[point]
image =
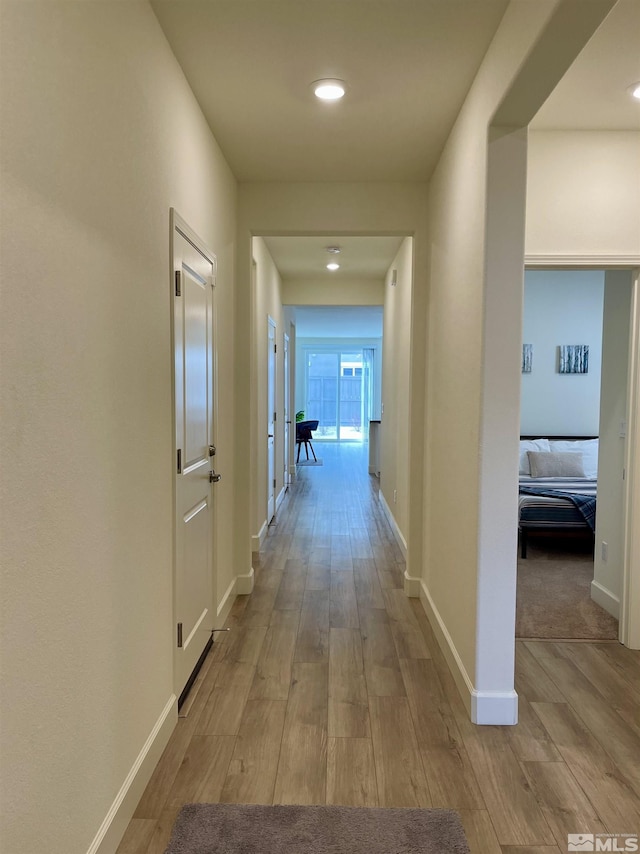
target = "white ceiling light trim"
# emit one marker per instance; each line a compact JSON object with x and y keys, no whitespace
{"x":333,"y":266}
{"x":329,"y":89}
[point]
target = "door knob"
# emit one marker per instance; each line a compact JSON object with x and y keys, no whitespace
{"x":213,"y":477}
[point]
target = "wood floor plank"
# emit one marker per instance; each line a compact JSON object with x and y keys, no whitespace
{"x":529,"y":740}
{"x":292,"y":586}
{"x":367,"y":584}
{"x":225,"y":705}
{"x":203,"y":770}
{"x":252,"y":771}
{"x":302,"y":770}
{"x":479,"y":831}
{"x":626,"y":662}
{"x":619,"y":694}
{"x":451,"y":779}
{"x":563,"y":803}
{"x":434,"y":723}
{"x":343,"y":608}
{"x":531,"y":680}
{"x":619,"y":740}
{"x":608,"y":790}
{"x":351,"y":773}
{"x":399,"y":771}
{"x":137,"y":837}
{"x":514,"y":812}
{"x":348,"y":699}
{"x":273,"y":670}
{"x":381,"y":664}
{"x":244,"y":644}
{"x":408,"y":638}
{"x":162,"y":831}
{"x":312,"y":642}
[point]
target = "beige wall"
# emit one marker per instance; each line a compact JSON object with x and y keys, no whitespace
{"x":268,"y":304}
{"x":336,"y":292}
{"x":100,"y":137}
{"x":583,"y":197}
{"x":476,"y":231}
{"x":396,"y":379}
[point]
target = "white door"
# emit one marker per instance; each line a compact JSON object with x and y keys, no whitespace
{"x":271,"y":420}
{"x":194,"y":381}
{"x":287,"y":408}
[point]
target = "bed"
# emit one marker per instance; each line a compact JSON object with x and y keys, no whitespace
{"x":558,"y":487}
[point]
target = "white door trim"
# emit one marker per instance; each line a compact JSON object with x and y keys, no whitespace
{"x":630,"y":616}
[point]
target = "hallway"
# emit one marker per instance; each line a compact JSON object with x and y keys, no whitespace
{"x":330,"y":688}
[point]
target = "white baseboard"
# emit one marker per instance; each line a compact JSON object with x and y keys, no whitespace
{"x":484,"y":707}
{"x":280,"y":497}
{"x":244,"y":583}
{"x":292,"y":471}
{"x":121,"y":811}
{"x":397,"y":533}
{"x":605,"y":598}
{"x":412,"y":585}
{"x":257,"y":540}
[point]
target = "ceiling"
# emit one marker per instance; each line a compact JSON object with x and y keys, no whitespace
{"x":250,"y":64}
{"x":307,"y":257}
{"x":408,"y":65}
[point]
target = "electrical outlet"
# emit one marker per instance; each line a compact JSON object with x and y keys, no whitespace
{"x":604,"y":551}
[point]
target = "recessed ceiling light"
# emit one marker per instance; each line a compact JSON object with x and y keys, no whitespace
{"x":329,"y":89}
{"x":333,"y":266}
{"x":635,"y":91}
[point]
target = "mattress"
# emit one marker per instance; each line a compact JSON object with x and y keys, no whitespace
{"x":542,"y":511}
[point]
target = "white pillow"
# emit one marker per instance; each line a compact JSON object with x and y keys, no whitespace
{"x":555,"y":464}
{"x":531,"y":445}
{"x":587,"y":447}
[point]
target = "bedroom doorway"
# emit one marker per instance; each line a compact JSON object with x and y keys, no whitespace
{"x":571,"y":583}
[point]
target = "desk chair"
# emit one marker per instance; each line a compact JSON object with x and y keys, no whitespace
{"x":304,"y":429}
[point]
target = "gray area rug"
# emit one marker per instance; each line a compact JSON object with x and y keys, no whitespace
{"x":310,"y":463}
{"x":257,"y":829}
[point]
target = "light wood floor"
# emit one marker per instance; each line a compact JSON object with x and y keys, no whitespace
{"x":330,"y":688}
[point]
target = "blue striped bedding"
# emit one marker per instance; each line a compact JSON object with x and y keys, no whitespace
{"x":557,"y":502}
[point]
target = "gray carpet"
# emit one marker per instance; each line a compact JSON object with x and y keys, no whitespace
{"x":554,"y":595}
{"x":256,"y":829}
{"x":310,"y":463}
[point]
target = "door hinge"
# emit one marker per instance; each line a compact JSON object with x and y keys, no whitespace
{"x":178,"y":284}
{"x":275,"y":348}
{"x":274,"y":483}
{"x":180,"y":635}
{"x":212,"y":281}
{"x":179,"y":460}
{"x":275,"y":416}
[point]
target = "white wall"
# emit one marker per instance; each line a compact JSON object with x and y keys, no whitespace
{"x":583,"y":197}
{"x":607,"y":584}
{"x":100,"y":137}
{"x":561,"y":307}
